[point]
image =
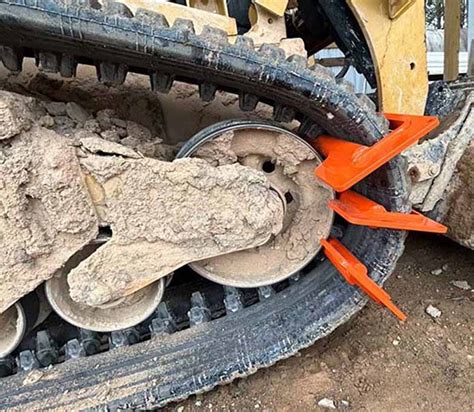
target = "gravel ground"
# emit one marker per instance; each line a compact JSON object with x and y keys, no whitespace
{"x":375,"y":363}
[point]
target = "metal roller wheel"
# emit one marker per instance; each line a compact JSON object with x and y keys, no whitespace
{"x":288,"y":163}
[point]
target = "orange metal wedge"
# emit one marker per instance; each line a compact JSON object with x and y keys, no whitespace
{"x":359,"y":210}
{"x":355,"y":272}
{"x":348,"y":163}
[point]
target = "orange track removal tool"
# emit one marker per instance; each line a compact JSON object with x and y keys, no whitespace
{"x":355,"y":273}
{"x":348,"y":163}
{"x":359,"y":210}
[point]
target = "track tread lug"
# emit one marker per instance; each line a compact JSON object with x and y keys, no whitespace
{"x":7,"y":366}
{"x":163,"y":322}
{"x":309,"y":129}
{"x":298,"y":60}
{"x":214,"y":34}
{"x":273,"y":52}
{"x":92,"y":4}
{"x":370,"y":105}
{"x":118,"y":339}
{"x":283,"y":114}
{"x":161,"y":82}
{"x":113,"y":74}
{"x":151,"y":18}
{"x":90,"y":341}
{"x":248,"y":102}
{"x":207,"y":91}
{"x":12,"y":58}
{"x":323,"y":73}
{"x":133,"y":336}
{"x":367,"y":102}
{"x":346,"y":85}
{"x":184,"y":25}
{"x":115,"y":8}
{"x":68,"y":66}
{"x":245,"y":42}
{"x":49,"y":62}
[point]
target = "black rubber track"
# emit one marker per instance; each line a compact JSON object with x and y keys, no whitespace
{"x":153,"y":373}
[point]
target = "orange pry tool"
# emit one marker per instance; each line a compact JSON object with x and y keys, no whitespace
{"x":355,"y":273}
{"x":359,"y":210}
{"x":348,"y":163}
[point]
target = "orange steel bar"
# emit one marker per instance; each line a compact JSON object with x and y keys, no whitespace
{"x":355,"y":272}
{"x":348,"y":163}
{"x":359,"y":210}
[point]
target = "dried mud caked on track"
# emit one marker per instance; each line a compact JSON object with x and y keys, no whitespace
{"x":66,"y":171}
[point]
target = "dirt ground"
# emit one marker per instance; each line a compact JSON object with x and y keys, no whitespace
{"x":374,"y":363}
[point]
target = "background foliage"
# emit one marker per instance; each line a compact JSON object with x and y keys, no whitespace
{"x":435,"y":13}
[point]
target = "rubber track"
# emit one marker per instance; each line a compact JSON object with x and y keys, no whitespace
{"x":156,"y":372}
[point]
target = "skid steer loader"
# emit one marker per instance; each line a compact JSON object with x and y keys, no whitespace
{"x":144,"y":260}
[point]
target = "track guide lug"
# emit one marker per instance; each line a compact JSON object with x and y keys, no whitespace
{"x":355,"y":273}
{"x":74,"y":350}
{"x":233,"y":299}
{"x":200,"y":311}
{"x":27,"y":361}
{"x":348,"y":163}
{"x":359,"y":210}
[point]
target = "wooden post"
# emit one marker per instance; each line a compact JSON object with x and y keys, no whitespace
{"x":452,"y":35}
{"x":470,"y":22}
{"x":470,"y":37}
{"x":470,"y":63}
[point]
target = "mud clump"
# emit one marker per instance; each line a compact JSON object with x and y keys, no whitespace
{"x":218,"y":151}
{"x":69,"y":171}
{"x":104,"y":130}
{"x":15,"y":114}
{"x":46,"y":214}
{"x":459,"y":201}
{"x":165,"y":215}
